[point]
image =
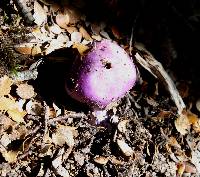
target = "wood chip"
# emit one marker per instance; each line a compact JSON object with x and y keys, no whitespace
{"x":101,"y":160}
{"x":125,"y":148}
{"x":39,"y":15}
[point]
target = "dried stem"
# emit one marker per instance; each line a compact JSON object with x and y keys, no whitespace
{"x":147,"y":61}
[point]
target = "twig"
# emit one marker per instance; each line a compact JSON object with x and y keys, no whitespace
{"x":157,"y":70}
{"x":65,"y":117}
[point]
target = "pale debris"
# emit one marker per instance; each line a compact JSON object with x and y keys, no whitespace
{"x":125,"y":148}
{"x":40,"y":14}
{"x":25,"y":91}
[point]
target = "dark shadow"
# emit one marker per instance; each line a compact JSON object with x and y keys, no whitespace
{"x":52,"y":74}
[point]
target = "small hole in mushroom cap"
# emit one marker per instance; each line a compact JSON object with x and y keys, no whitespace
{"x":108,"y":65}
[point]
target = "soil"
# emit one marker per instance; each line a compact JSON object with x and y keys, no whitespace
{"x":140,"y":136}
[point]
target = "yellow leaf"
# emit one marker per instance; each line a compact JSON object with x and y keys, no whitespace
{"x":81,"y":48}
{"x":195,"y":121}
{"x":10,"y":156}
{"x":6,"y":104}
{"x":182,"y":124}
{"x":5,"y":85}
{"x":16,"y":115}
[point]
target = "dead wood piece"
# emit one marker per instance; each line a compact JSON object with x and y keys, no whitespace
{"x":147,"y":61}
{"x":65,"y":117}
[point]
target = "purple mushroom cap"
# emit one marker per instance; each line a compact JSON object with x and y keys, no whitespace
{"x":103,"y":75}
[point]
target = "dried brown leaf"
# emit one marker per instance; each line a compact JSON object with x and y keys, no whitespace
{"x":173,"y":142}
{"x":194,"y":121}
{"x":25,"y":91}
{"x":182,"y":124}
{"x":28,"y":49}
{"x":81,"y":48}
{"x":62,"y":20}
{"x":85,"y":34}
{"x":64,"y":134}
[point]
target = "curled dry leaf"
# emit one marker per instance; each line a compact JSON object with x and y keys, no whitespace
{"x":182,"y":124}
{"x":28,"y":48}
{"x":187,"y":120}
{"x":25,"y":91}
{"x":69,"y":16}
{"x":81,"y":48}
{"x":10,"y":106}
{"x":85,"y":34}
{"x":64,"y":134}
{"x":115,"y":161}
{"x":5,"y":85}
{"x":125,"y":148}
{"x":39,"y":15}
{"x":62,"y":20}
{"x":173,"y":142}
{"x":101,"y":160}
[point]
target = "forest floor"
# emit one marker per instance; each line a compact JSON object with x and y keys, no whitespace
{"x":152,"y":132}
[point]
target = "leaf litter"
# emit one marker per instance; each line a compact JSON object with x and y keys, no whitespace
{"x":150,"y":137}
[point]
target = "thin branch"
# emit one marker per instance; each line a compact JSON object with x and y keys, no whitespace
{"x":147,"y":61}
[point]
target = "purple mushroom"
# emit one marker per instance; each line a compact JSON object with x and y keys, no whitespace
{"x":103,"y":75}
